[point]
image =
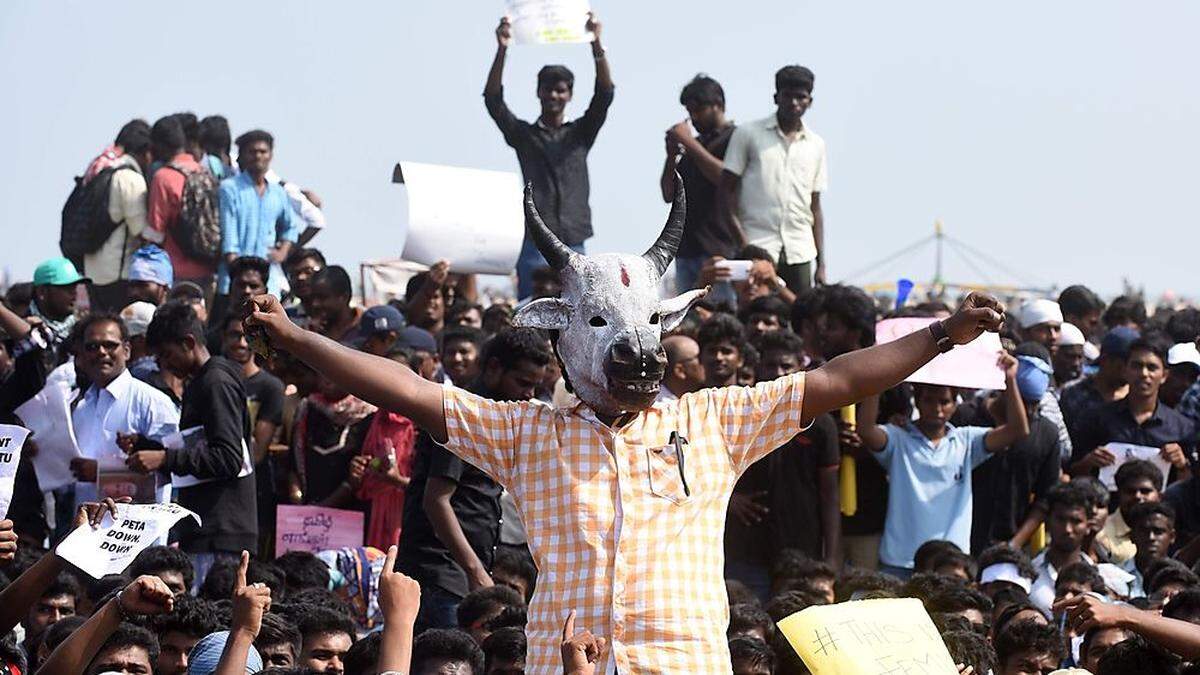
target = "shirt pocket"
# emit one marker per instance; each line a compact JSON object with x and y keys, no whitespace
{"x":664,"y":474}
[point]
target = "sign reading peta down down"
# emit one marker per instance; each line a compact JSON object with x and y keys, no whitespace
{"x":110,"y":548}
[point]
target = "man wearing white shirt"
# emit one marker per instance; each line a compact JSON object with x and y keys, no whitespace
{"x":774,"y":174}
{"x":113,"y":404}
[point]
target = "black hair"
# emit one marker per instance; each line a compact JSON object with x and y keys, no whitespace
{"x":109,"y":583}
{"x":194,"y":617}
{"x":970,"y":649}
{"x":794,"y":570}
{"x":131,"y":635}
{"x":788,"y":603}
{"x":1070,"y":495}
{"x":853,"y":308}
{"x":766,"y":304}
{"x":858,"y":581}
{"x":1184,"y":325}
{"x":447,"y":644}
{"x":511,"y":616}
{"x":64,"y":584}
{"x":314,"y":620}
{"x":414,"y":285}
{"x":1124,"y":310}
{"x":278,"y":629}
{"x":302,"y":570}
{"x":957,"y":558}
{"x":1035,"y":349}
{"x":549,"y":76}
{"x":780,"y":340}
{"x":954,"y":599}
{"x":185,"y":290}
{"x":157,"y":559}
{"x":1081,"y":573}
{"x":739,"y":593}
{"x":787,"y":661}
{"x":102,"y":317}
{"x":745,"y":617}
{"x":1024,"y":636}
{"x":299,"y":255}
{"x":215,"y":135}
{"x":218,"y":583}
{"x":167,"y":133}
{"x":319,"y":597}
{"x":484,"y":601}
{"x":131,"y":131}
{"x":1184,"y":605}
{"x":794,"y":77}
{"x":250,"y":262}
{"x":1139,"y":469}
{"x":458,"y":333}
{"x":504,"y":644}
{"x":508,"y":560}
{"x":1169,"y":571}
{"x":1005,"y":553}
{"x":1140,"y":512}
{"x":1009,"y":613}
{"x":752,"y":252}
{"x":1078,"y":300}
{"x":513,"y":345}
{"x":702,"y":90}
{"x":1090,"y":637}
{"x":923,"y":557}
{"x":262,"y":572}
{"x":255,"y":136}
{"x":172,"y":323}
{"x":1135,"y":656}
{"x":946,"y":623}
{"x":190,"y":125}
{"x":336,"y":278}
{"x":752,"y":651}
{"x":58,"y":632}
{"x":925,"y":585}
{"x":363,"y":656}
{"x":808,"y":306}
{"x":460,"y":307}
{"x":1155,"y":344}
{"x":722,"y":327}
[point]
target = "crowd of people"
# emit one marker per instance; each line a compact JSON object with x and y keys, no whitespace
{"x":1000,"y":510}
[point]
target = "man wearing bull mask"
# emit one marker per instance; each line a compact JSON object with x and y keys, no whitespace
{"x":624,"y":499}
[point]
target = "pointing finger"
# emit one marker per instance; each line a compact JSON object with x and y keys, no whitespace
{"x":240,"y":582}
{"x":569,"y":626}
{"x":389,"y":562}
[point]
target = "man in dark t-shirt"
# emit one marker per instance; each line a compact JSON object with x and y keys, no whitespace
{"x":698,"y":161}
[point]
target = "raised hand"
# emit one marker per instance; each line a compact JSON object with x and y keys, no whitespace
{"x":978,"y":313}
{"x":93,"y":512}
{"x":264,"y":312}
{"x":504,"y":32}
{"x":593,"y":25}
{"x":250,"y":602}
{"x":399,"y":595}
{"x":8,"y":541}
{"x":146,"y":594}
{"x":581,"y":651}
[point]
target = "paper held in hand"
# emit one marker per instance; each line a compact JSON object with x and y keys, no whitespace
{"x":48,"y":416}
{"x":868,"y":637}
{"x":1127,"y":452}
{"x":110,"y":548}
{"x":473,"y":218}
{"x":12,"y":439}
{"x":549,"y":21}
{"x":973,"y":365}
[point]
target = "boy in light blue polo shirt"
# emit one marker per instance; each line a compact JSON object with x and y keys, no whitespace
{"x":929,"y":464}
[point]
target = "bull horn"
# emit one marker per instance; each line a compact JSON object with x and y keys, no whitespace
{"x":663,"y":251}
{"x":556,"y":253}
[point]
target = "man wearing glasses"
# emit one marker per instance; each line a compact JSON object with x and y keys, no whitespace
{"x":114,"y":408}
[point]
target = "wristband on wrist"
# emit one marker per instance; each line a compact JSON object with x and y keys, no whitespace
{"x":125,"y":614}
{"x":941,"y":338}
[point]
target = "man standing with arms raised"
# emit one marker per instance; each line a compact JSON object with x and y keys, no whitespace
{"x":552,"y":151}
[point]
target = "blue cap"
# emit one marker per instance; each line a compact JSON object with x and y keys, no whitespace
{"x":151,"y":263}
{"x":57,"y":272}
{"x":205,"y":656}
{"x":418,"y":339}
{"x":380,"y":319}
{"x":1033,"y":377}
{"x":1118,"y":341}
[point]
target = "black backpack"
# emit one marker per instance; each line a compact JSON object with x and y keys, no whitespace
{"x":85,"y":222}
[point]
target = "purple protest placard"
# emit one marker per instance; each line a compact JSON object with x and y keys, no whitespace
{"x":973,"y":365}
{"x":316,"y":528}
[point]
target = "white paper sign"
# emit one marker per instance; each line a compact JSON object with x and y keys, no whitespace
{"x":471,"y":217}
{"x":973,"y":365}
{"x":12,"y":438}
{"x":1127,"y":452}
{"x":549,"y":21}
{"x":110,"y":548}
{"x":48,"y":416}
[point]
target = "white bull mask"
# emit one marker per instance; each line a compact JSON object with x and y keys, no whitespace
{"x":610,"y":318}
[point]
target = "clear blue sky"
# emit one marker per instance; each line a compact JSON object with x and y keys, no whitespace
{"x":1059,"y":137}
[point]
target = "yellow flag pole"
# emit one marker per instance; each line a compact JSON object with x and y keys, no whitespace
{"x":848,"y":474}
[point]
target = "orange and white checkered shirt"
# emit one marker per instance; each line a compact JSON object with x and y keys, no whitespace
{"x":615,"y":534}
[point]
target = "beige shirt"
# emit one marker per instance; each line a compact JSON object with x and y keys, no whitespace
{"x":778,"y":179}
{"x":126,"y":204}
{"x":1115,"y":536}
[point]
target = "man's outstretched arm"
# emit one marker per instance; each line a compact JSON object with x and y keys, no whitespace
{"x":855,"y":376}
{"x":380,"y":381}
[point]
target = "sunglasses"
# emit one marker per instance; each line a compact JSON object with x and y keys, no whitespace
{"x":95,"y":346}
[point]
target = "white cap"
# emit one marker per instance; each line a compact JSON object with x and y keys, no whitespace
{"x":1004,"y":571}
{"x":1184,"y":352}
{"x":137,"y":317}
{"x":1070,"y":336}
{"x":1039,"y":311}
{"x":1090,"y":351}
